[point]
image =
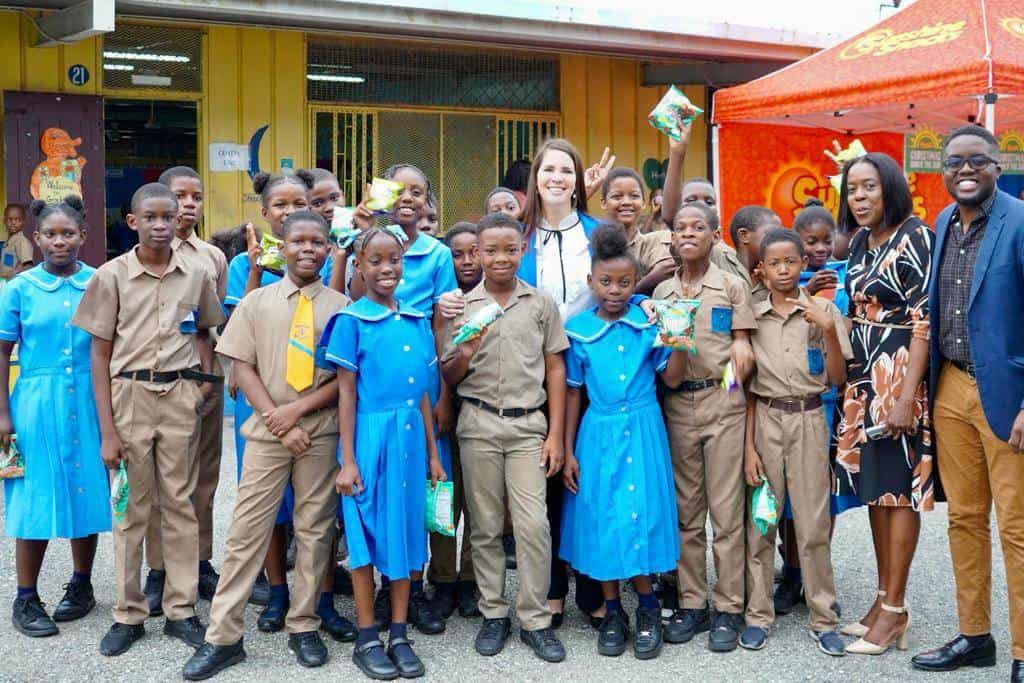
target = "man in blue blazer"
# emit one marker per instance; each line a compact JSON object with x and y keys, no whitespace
{"x":976,"y":308}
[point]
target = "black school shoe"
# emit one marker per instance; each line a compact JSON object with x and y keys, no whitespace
{"x":491,"y":638}
{"x":77,"y":602}
{"x":120,"y":638}
{"x":189,"y":631}
{"x":685,"y":624}
{"x":725,"y":632}
{"x":260,"y":595}
{"x":208,"y":584}
{"x":209,"y":660}
{"x":423,"y":616}
{"x":405,"y":660}
{"x":271,"y":619}
{"x":342,"y":581}
{"x":647,"y":641}
{"x":544,"y":643}
{"x":612,"y":634}
{"x":337,"y":626}
{"x":373,"y":661}
{"x":1017,"y":671}
{"x":444,"y":599}
{"x":308,"y":648}
{"x":382,"y":608}
{"x":30,"y":618}
{"x":788,"y":594}
{"x":154,"y":591}
{"x":467,"y":600}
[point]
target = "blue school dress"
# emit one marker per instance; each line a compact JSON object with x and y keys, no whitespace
{"x":392,"y":354}
{"x":623,"y":522}
{"x":238,"y":275}
{"x":65,"y":492}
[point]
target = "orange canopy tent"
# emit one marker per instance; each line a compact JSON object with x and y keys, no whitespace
{"x":935,"y":64}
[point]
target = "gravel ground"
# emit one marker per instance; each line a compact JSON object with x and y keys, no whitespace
{"x":790,"y":654}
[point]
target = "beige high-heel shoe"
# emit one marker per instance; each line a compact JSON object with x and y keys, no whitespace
{"x":866,"y":647}
{"x":857,"y":629}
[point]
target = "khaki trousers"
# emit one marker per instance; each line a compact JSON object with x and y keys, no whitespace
{"x":444,"y":567}
{"x":501,"y":457}
{"x":158,"y":426}
{"x":267,"y":468}
{"x":705,"y":434}
{"x":211,"y":428}
{"x":977,"y":470}
{"x":793,"y":452}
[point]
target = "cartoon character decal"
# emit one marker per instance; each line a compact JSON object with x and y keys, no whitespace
{"x":60,"y":174}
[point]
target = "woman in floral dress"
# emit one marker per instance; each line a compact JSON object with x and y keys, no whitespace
{"x":887,"y":280}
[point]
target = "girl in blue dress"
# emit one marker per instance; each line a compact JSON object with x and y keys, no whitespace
{"x":384,"y":353}
{"x":64,"y":492}
{"x":619,"y":517}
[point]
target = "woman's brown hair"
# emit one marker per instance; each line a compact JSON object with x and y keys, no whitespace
{"x":532,"y":212}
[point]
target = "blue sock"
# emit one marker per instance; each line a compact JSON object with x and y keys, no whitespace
{"x":399,"y":631}
{"x":366,"y":635}
{"x":79,"y":577}
{"x":415,"y":587}
{"x":792,"y":574}
{"x":326,"y":604}
{"x":279,"y":594}
{"x":205,"y":567}
{"x":975,"y":641}
{"x":27,"y":592}
{"x":613,"y":605}
{"x":648,"y":601}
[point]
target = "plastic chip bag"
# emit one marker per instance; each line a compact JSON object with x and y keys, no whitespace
{"x":729,"y":381}
{"x":119,"y":490}
{"x":764,"y":508}
{"x":343,"y":231}
{"x":271,"y":257}
{"x":676,"y":324}
{"x":12,"y":464}
{"x":478,"y":324}
{"x":440,"y":508}
{"x":383,"y":195}
{"x":673,"y":112}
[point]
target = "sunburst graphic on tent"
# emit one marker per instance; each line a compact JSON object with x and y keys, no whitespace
{"x":1014,"y":26}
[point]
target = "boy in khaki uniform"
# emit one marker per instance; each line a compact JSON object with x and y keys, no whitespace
{"x":292,"y":435}
{"x":187,"y":187}
{"x":149,"y":312}
{"x":18,"y":253}
{"x":801,"y":348}
{"x":507,"y":447}
{"x":705,"y":430}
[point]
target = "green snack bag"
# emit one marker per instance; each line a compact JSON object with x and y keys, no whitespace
{"x":119,"y":492}
{"x":440,"y":508}
{"x":12,"y":465}
{"x":383,"y":195}
{"x":343,"y":231}
{"x":673,"y":113}
{"x":676,"y":324}
{"x":271,"y":257}
{"x":764,"y":508}
{"x":478,"y":324}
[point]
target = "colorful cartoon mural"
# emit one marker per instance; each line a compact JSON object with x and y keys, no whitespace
{"x":60,"y":174}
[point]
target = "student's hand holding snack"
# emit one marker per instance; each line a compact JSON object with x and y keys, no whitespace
{"x":437,"y":472}
{"x":252,"y":247}
{"x":296,"y":440}
{"x":678,"y":147}
{"x":571,"y":473}
{"x":452,"y":304}
{"x":283,"y":418}
{"x":551,"y":456}
{"x":349,"y":482}
{"x":363,"y":217}
{"x":742,"y":359}
{"x":823,"y":279}
{"x":815,"y":315}
{"x":753,"y":468}
{"x":469,"y":348}
{"x":6,"y":429}
{"x":650,"y":310}
{"x":111,"y":451}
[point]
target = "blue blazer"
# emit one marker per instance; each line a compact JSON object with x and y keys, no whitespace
{"x":995,"y":312}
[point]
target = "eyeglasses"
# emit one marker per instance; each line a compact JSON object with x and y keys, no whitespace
{"x":975,"y":161}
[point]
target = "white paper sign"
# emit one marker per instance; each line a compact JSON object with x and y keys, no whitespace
{"x":227,"y":156}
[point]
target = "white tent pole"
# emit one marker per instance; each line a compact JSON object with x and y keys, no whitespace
{"x":990,"y":112}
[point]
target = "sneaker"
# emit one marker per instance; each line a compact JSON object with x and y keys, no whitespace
{"x":120,"y":638}
{"x":491,"y":638}
{"x":648,"y":639}
{"x":444,"y":599}
{"x":423,"y":616}
{"x":788,"y":594}
{"x":612,"y":634}
{"x":342,"y":581}
{"x":154,"y":591}
{"x":189,"y":631}
{"x":467,"y":600}
{"x":260,"y":591}
{"x":829,"y":642}
{"x":725,"y":632}
{"x":208,"y":584}
{"x":685,"y":624}
{"x":753,"y":638}
{"x":78,"y":601}
{"x":30,"y":618}
{"x":509,"y":544}
{"x":382,"y":608}
{"x":544,"y":643}
{"x":209,"y":660}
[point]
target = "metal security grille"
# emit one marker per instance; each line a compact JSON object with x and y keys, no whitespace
{"x":138,"y":56}
{"x":423,"y":76}
{"x":464,"y":155}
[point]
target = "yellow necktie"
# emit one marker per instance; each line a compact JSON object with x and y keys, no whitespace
{"x":300,"y":346}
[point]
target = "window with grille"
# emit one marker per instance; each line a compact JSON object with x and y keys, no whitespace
{"x":138,"y":56}
{"x":424,"y":76}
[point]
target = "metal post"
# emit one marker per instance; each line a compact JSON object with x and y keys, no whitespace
{"x":990,"y":111}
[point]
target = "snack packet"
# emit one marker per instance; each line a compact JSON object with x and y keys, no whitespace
{"x":12,"y":464}
{"x":764,"y":508}
{"x":675,"y":324}
{"x":854,"y":150}
{"x":119,"y":490}
{"x":440,"y":508}
{"x":673,"y":112}
{"x":383,"y":195}
{"x":478,"y":324}
{"x":271,"y":256}
{"x":343,"y":231}
{"x":729,"y":381}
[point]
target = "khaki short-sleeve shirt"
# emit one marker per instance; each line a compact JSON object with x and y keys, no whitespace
{"x":791,"y":353}
{"x":151,"y":320}
{"x":724,"y":307}
{"x":725,"y":257}
{"x":208,"y":256}
{"x":17,"y":251}
{"x":258,"y":334}
{"x":651,"y":250}
{"x":508,"y":370}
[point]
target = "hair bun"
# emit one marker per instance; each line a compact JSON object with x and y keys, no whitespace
{"x":813,"y":201}
{"x":259,"y":182}
{"x":609,"y":242}
{"x":36,"y":207}
{"x":307,"y":177}
{"x":75,"y":202}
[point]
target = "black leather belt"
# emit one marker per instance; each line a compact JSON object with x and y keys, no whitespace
{"x":697,"y":385}
{"x":157,"y":377}
{"x":500,"y":412}
{"x":792,"y":404}
{"x":964,"y":367}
